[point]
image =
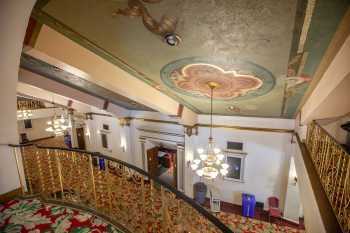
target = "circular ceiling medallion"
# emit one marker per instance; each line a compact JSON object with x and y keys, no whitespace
{"x":236,"y":79}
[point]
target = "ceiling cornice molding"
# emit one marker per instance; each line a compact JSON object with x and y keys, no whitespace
{"x":233,"y":127}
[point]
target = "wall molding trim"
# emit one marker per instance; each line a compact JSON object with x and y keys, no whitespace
{"x":160,"y":132}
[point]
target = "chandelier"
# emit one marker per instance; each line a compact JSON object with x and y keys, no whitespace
{"x":24,"y":114}
{"x":212,"y":161}
{"x":58,"y":125}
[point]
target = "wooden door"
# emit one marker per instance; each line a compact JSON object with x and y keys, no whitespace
{"x":81,"y":138}
{"x":152,"y":161}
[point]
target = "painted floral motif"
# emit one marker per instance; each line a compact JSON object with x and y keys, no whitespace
{"x":194,"y":78}
{"x":33,"y":216}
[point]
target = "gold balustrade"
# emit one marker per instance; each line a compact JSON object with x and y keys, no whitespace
{"x":332,"y":164}
{"x":122,"y":193}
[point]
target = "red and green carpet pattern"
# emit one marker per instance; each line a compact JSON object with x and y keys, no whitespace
{"x":34,"y":216}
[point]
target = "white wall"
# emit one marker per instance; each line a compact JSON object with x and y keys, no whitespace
{"x":14,"y":16}
{"x":115,"y":136}
{"x":266,"y":166}
{"x":292,"y":207}
{"x":38,"y":129}
{"x":312,"y":217}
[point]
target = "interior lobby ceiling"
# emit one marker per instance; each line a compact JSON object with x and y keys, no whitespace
{"x":262,"y":53}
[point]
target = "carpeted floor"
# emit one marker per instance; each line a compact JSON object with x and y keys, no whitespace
{"x":33,"y":216}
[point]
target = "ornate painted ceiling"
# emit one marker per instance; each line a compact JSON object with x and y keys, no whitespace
{"x":262,"y":54}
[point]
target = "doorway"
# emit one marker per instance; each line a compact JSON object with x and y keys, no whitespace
{"x":80,"y":138}
{"x":162,"y":163}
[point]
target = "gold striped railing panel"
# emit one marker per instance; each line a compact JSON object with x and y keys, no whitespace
{"x":125,"y":194}
{"x":332,"y":164}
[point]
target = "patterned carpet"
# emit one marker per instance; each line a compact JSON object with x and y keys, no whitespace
{"x":33,"y":216}
{"x":248,"y":225}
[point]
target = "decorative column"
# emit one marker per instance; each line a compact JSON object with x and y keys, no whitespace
{"x":181,"y":165}
{"x":143,"y":152}
{"x":72,"y":130}
{"x":189,"y":152}
{"x":125,"y":138}
{"x":14,"y":16}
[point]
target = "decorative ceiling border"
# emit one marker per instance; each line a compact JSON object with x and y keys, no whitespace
{"x":271,"y":130}
{"x":44,"y":18}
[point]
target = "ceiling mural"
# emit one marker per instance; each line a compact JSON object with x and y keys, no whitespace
{"x":237,"y":80}
{"x":262,"y":53}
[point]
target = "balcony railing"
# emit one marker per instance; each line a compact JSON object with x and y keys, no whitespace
{"x":122,"y":193}
{"x":332,"y":164}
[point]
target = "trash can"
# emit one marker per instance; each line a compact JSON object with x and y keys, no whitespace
{"x":200,"y":192}
{"x":248,"y":205}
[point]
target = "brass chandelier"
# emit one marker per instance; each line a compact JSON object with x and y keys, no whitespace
{"x":211,"y":161}
{"x":58,"y":125}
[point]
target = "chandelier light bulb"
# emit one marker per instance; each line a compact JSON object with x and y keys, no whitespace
{"x":218,"y":162}
{"x":203,"y":156}
{"x":196,"y":161}
{"x":200,"y":150}
{"x":225,"y":166}
{"x":217,"y":150}
{"x":200,"y":172}
{"x":50,"y":129}
{"x":194,"y":166}
{"x":223,"y":172}
{"x":220,"y":156}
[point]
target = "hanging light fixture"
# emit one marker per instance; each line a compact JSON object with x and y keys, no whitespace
{"x":57,"y":125}
{"x":24,"y":114}
{"x":211,"y":161}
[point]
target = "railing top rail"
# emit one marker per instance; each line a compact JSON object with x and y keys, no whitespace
{"x":214,"y":220}
{"x":20,"y":145}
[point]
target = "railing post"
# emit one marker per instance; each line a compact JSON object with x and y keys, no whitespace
{"x":108,"y":186}
{"x":40,"y":172}
{"x":164,"y":210}
{"x":59,"y":168}
{"x":51,"y":173}
{"x":18,"y":170}
{"x":26,"y":173}
{"x":143,"y":199}
{"x":91,"y":167}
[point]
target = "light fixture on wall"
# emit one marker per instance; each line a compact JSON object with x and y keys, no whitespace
{"x":211,"y":161}
{"x":58,"y":125}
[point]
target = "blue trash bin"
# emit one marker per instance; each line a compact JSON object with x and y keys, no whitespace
{"x":248,"y":205}
{"x":200,"y":192}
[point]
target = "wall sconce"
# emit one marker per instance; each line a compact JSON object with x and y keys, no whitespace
{"x":295,"y":180}
{"x":123,"y":144}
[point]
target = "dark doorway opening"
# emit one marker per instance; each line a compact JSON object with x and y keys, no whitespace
{"x":81,"y":138}
{"x":162,"y":163}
